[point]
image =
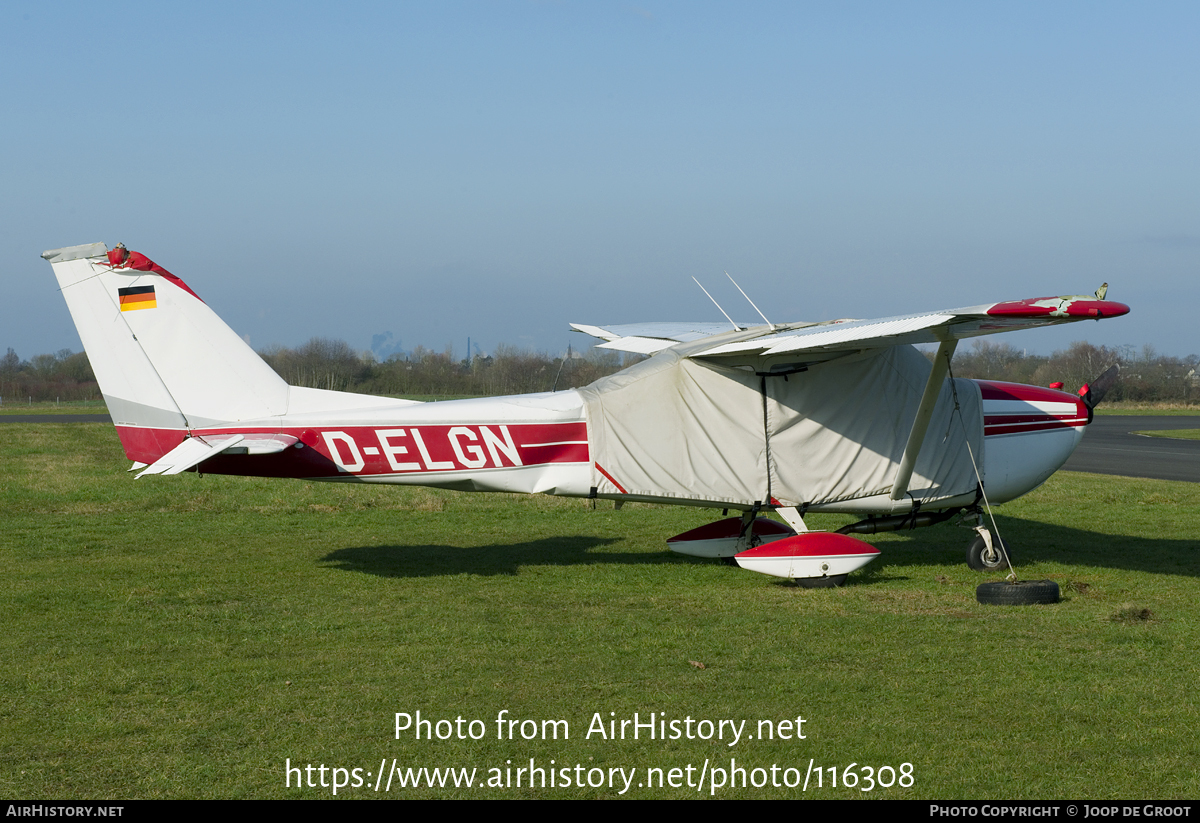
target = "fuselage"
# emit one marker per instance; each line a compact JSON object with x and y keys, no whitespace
{"x":1029,"y":433}
{"x":540,"y":444}
{"x":536,"y":444}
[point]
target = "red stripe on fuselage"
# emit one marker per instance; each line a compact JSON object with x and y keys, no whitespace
{"x":1034,"y":420}
{"x":1023,"y":423}
{"x":147,"y":445}
{"x":380,"y":450}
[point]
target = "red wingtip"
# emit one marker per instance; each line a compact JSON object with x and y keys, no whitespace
{"x":1059,"y":307}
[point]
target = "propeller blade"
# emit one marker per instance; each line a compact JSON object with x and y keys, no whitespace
{"x":1092,"y":393}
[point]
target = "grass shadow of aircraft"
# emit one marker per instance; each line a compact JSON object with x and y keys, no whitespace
{"x":903,"y":555}
{"x":431,"y":560}
{"x":1038,"y":542}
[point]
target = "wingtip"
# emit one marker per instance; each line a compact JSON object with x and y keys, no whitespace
{"x":1075,"y":307}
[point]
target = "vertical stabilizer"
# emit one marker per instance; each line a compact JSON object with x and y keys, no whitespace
{"x":163,"y":358}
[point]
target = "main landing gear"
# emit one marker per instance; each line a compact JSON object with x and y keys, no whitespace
{"x":812,"y":559}
{"x":823,"y":559}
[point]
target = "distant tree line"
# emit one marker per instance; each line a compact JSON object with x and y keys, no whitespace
{"x":332,"y":364}
{"x":59,"y":376}
{"x":1146,"y":376}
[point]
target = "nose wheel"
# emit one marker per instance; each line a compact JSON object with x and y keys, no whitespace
{"x":987,"y":553}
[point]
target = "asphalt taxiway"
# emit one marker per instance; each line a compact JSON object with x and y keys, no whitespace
{"x":1110,"y":447}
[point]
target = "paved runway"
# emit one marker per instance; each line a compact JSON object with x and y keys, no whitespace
{"x":1107,"y":447}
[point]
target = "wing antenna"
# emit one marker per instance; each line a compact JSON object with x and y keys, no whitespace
{"x":736,"y":327}
{"x":751,"y":302}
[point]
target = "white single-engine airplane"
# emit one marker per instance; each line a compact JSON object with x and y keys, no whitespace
{"x":841,"y":416}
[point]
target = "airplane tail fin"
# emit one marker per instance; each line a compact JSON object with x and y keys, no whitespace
{"x":165,"y":362}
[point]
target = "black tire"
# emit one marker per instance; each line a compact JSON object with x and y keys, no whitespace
{"x":1020,"y":593}
{"x":977,"y":561}
{"x":821,"y":582}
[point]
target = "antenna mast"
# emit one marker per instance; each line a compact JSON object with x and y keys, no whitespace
{"x":736,"y":327}
{"x":751,"y":302}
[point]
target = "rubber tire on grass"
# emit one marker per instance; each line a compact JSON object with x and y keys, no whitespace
{"x":821,"y":582}
{"x":975,"y":560}
{"x":1020,"y":593}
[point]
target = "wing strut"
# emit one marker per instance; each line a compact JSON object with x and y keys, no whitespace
{"x":916,"y":437}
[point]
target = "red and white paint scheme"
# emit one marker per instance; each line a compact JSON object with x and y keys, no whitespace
{"x":787,"y":418}
{"x":1028,"y":432}
{"x":812,"y":556}
{"x":724,"y":538}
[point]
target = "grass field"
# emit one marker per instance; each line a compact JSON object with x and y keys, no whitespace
{"x":1174,"y":434}
{"x":94,"y":407}
{"x":189,"y":636}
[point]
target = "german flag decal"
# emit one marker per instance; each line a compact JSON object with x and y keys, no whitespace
{"x":137,"y":297}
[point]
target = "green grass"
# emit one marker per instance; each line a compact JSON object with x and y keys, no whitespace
{"x":72,"y":407}
{"x":1174,"y":434}
{"x":1147,"y":410}
{"x":186,"y":636}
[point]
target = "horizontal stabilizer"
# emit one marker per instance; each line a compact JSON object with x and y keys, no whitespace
{"x":190,"y":452}
{"x":196,"y":450}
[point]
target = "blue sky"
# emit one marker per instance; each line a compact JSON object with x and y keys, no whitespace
{"x":498,"y":169}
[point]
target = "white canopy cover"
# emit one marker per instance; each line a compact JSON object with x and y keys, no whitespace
{"x":682,"y":426}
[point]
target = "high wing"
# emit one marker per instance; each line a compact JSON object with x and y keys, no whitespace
{"x":823,"y":341}
{"x":727,"y":387}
